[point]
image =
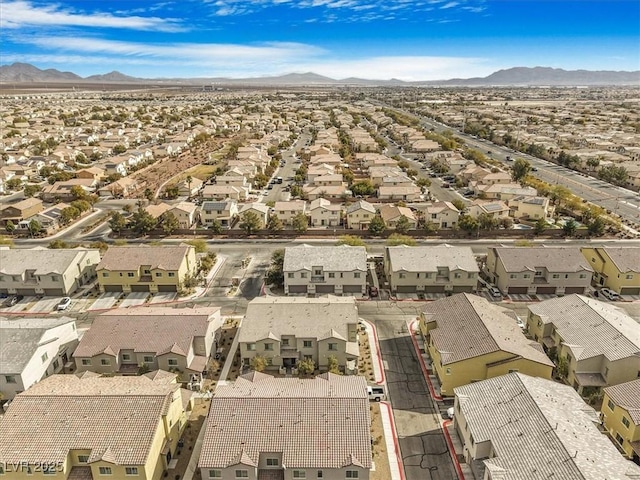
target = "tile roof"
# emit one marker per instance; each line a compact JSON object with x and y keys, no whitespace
{"x":299,"y":316}
{"x":627,"y":396}
{"x":428,"y":259}
{"x":539,"y":429}
{"x":343,"y":258}
{"x":590,"y":327}
{"x":156,"y":330}
{"x":19,"y":340}
{"x":362,"y":204}
{"x":469,"y":326}
{"x":131,"y":258}
{"x":627,"y":259}
{"x":314,"y":423}
{"x":115,"y":418}
{"x":554,"y":259}
{"x":44,"y":261}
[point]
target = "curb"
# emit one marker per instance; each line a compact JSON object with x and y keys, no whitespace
{"x":372,"y":333}
{"x":423,"y":366}
{"x":399,"y":474}
{"x":452,"y":450}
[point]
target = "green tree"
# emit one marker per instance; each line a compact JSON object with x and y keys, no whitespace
{"x":596,"y":227}
{"x":559,"y":194}
{"x":170,"y":223}
{"x":274,"y":224}
{"x":569,"y":228}
{"x":423,"y":183}
{"x":520,"y":169}
{"x":189,"y":181}
{"x":300,"y":222}
{"x":199,"y":245}
{"x":468,"y":223}
{"x":306,"y":367}
{"x":14,"y":183}
{"x":297,"y":191}
{"x":250,"y":222}
{"x":351,"y":240}
{"x":459,"y":204}
{"x":78,"y":193}
{"x":275,"y":274}
{"x":403,"y":225}
{"x":487,"y":222}
{"x":31,"y":190}
{"x":593,"y":163}
{"x":35,"y":227}
{"x":399,"y":239}
{"x":148,"y":194}
{"x":143,"y":222}
{"x":216,"y":226}
{"x":117,"y":222}
{"x":118,"y":149}
{"x":81,"y":205}
{"x":10,"y":227}
{"x":68,"y":214}
{"x":364,"y":188}
{"x":377,"y":225}
{"x":562,"y":368}
{"x":57,"y":244}
{"x":334,"y":366}
{"x":258,"y":363}
{"x":172,"y":192}
{"x":540,"y":226}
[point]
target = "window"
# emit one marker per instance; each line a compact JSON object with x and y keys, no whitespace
{"x":172,"y":274}
{"x":251,"y":347}
{"x":332,"y":275}
{"x":10,"y":378}
{"x":320,"y":474}
{"x":131,"y":470}
{"x":513,"y":275}
{"x":146,"y":271}
{"x":582,"y":275}
{"x":555,"y":275}
{"x":457,"y":275}
{"x":538,"y":273}
{"x":158,"y":274}
{"x":126,"y":356}
{"x":514,"y":370}
{"x":606,"y":372}
{"x":611,"y":405}
{"x":299,"y":474}
{"x":317,"y":272}
{"x":147,"y":359}
{"x":629,"y":277}
{"x":285,"y":342}
{"x":402,"y":275}
{"x":105,"y":274}
{"x":172,"y":362}
{"x":526,"y":275}
{"x":130,"y":274}
{"x":215,"y":473}
{"x":568,"y":358}
{"x":471,"y":275}
{"x":83,"y":458}
{"x":268,"y":347}
{"x":54,"y":279}
{"x":307,"y":344}
{"x":303,"y":275}
{"x":333,"y":347}
{"x":272,"y":462}
{"x":290,"y":275}
{"x":352,"y":474}
{"x":448,"y":371}
{"x":625,"y":422}
{"x":105,"y":361}
{"x":619,"y":439}
{"x":44,"y":357}
{"x":242,"y":474}
{"x":56,"y":364}
{"x":356,"y":275}
{"x":105,"y":470}
{"x":86,"y":361}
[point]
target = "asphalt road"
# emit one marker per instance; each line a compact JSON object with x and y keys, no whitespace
{"x":425,"y":454}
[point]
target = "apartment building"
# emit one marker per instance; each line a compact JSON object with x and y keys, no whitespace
{"x":617,"y":268}
{"x":621,"y":417}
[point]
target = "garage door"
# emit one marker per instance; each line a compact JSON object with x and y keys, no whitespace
{"x":462,"y":288}
{"x":352,"y":288}
{"x":25,"y":291}
{"x":113,"y":288}
{"x":139,"y":288}
{"x":53,"y":292}
{"x":518,"y":290}
{"x":406,"y":289}
{"x":297,"y":289}
{"x":630,"y":291}
{"x":325,"y":288}
{"x":569,"y":290}
{"x":434,"y":289}
{"x":546,"y":290}
{"x":167,"y":288}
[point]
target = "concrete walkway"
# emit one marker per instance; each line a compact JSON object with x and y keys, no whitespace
{"x":232,"y":354}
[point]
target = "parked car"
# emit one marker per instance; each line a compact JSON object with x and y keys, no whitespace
{"x":450,"y":413}
{"x":373,"y":291}
{"x":609,"y":294}
{"x":376,"y":393}
{"x":445,"y":185}
{"x":494,"y":291}
{"x":64,"y":303}
{"x":11,"y":301}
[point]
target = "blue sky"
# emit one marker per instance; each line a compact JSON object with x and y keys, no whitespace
{"x":380,"y":39}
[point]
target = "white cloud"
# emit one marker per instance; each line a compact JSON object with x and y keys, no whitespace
{"x":20,"y":13}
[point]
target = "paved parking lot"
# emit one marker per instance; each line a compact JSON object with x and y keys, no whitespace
{"x":20,"y":306}
{"x":134,"y":298}
{"x":164,"y":297}
{"x":104,"y":301}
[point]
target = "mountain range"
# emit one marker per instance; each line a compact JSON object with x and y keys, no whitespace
{"x":517,"y":76}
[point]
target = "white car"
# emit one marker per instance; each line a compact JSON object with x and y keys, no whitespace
{"x":64,"y":303}
{"x":450,"y":412}
{"x":609,"y":294}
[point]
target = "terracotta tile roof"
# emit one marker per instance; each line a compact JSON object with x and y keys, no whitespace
{"x":115,"y":418}
{"x":130,"y":258}
{"x":315,"y":423}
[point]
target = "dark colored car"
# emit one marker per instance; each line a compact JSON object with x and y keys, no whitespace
{"x":11,"y":301}
{"x":373,"y":291}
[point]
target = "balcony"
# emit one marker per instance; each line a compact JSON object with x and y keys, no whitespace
{"x":318,"y":279}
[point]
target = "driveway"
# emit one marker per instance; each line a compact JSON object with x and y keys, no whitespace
{"x":424,"y":450}
{"x":161,"y":297}
{"x":134,"y":298}
{"x":20,"y":306}
{"x":46,"y":305}
{"x":105,"y":301}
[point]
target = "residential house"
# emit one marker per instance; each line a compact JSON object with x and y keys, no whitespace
{"x":21,"y":210}
{"x":42,"y":271}
{"x":324,"y":213}
{"x":286,"y":330}
{"x":598,"y":342}
{"x":50,"y":219}
{"x":224,"y":192}
{"x":532,"y":208}
{"x":157,"y":210}
{"x":287,"y":211}
{"x":404,"y":192}
{"x":471,"y":339}
{"x":186,"y":213}
{"x":505,"y":191}
{"x":521,"y":427}
{"x":493,"y":208}
{"x":260,"y":209}
{"x":315,"y":171}
{"x":63,"y":191}
{"x":115,"y":166}
{"x":310,"y":270}
{"x":311,"y":410}
{"x":146,"y":268}
{"x":359,"y":215}
{"x":32,"y":349}
{"x":538,"y":270}
{"x":442,"y":214}
{"x":118,"y":341}
{"x":621,"y":417}
{"x":122,"y":427}
{"x":425,"y":146}
{"x":439,"y":269}
{"x":391,"y":214}
{"x":617,"y":268}
{"x":335,"y":192}
{"x":224,"y":212}
{"x":121,"y":188}
{"x":190,"y":188}
{"x":93,"y":173}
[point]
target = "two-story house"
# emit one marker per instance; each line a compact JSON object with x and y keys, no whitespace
{"x":287,"y":211}
{"x":224,"y":212}
{"x":324,"y":213}
{"x":617,"y":268}
{"x":538,"y":270}
{"x":359,"y":215}
{"x":310,"y":270}
{"x":597,"y":342}
{"x":42,"y":271}
{"x":97,"y":427}
{"x":146,"y":268}
{"x":186,"y":213}
{"x":438,"y":269}
{"x":181,"y":342}
{"x":32,"y":349}
{"x":442,"y":214}
{"x":286,"y":330}
{"x":620,"y":414}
